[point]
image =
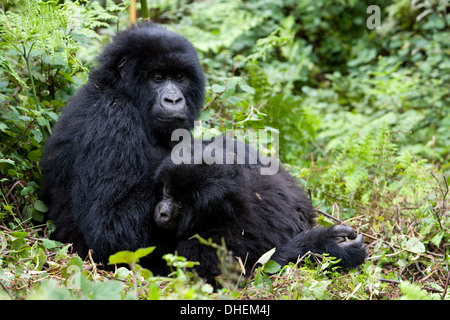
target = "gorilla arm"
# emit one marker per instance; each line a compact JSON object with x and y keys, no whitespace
{"x":206,"y":255}
{"x":338,"y":241}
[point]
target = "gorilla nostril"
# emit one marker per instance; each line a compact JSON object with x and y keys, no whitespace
{"x":164,"y":215}
{"x":173,"y":100}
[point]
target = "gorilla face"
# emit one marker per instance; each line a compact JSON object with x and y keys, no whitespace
{"x":198,"y":196}
{"x":159,"y":72}
{"x":170,"y":105}
{"x":169,"y":211}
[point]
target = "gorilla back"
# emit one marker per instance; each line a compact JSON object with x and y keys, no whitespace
{"x":99,"y":163}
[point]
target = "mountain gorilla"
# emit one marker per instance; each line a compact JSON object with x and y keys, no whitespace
{"x":252,"y":212}
{"x":98,"y":165}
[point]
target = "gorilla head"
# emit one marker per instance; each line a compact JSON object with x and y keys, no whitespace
{"x":169,"y":211}
{"x":158,"y":71}
{"x":194,"y":196}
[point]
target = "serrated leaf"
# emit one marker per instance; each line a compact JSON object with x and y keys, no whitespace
{"x":436,"y":240}
{"x":258,"y":280}
{"x":217,"y":88}
{"x":42,"y":121}
{"x":414,"y":245}
{"x":62,"y":253}
{"x":40,"y":258}
{"x":49,"y":244}
{"x":247,"y":88}
{"x":107,"y":290}
{"x":3,"y":127}
{"x":37,"y":135}
{"x":75,"y":261}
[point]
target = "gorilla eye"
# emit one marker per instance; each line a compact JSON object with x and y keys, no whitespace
{"x":157,"y":77}
{"x":179,"y":76}
{"x":167,"y":191}
{"x":179,"y":204}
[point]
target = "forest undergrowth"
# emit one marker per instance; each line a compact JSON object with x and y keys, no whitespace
{"x":363,"y":117}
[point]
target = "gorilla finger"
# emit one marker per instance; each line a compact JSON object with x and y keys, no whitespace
{"x":357,"y":242}
{"x":343,"y":230}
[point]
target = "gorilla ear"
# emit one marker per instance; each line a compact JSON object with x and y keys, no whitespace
{"x":121,"y":66}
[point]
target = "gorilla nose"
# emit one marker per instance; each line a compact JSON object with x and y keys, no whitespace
{"x":173,"y":98}
{"x":173,"y":105}
{"x":164,"y":215}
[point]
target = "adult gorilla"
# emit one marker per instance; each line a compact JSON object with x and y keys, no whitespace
{"x":99,"y":163}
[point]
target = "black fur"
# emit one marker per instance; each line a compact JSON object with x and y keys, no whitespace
{"x":253,"y":213}
{"x":99,"y":164}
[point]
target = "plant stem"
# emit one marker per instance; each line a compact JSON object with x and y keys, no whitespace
{"x":27,"y":60}
{"x":133,"y":272}
{"x":144,"y":10}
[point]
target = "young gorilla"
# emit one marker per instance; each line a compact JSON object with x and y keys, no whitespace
{"x":252,"y":212}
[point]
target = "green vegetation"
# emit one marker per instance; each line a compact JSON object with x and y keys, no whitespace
{"x":363,"y":117}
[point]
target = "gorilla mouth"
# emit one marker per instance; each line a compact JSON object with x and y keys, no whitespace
{"x":170,"y":119}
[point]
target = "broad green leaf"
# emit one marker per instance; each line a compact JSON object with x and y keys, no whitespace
{"x":49,"y":244}
{"x":127,"y":257}
{"x":35,"y":155}
{"x":153,"y":292}
{"x":7,"y":161}
{"x":145,"y":273}
{"x":40,"y":258}
{"x":414,"y":245}
{"x":130,"y":257}
{"x":142,"y":252}
{"x":19,"y":234}
{"x":271,"y":267}
{"x":217,"y":88}
{"x":247,"y":88}
{"x":122,"y":273}
{"x":40,"y":206}
{"x":62,"y":253}
{"x":266,"y":256}
{"x":258,"y":280}
{"x":107,"y":290}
